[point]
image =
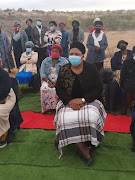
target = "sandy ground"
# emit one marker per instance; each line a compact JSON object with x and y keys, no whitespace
{"x":113,"y":37}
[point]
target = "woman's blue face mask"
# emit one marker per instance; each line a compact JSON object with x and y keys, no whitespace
{"x":28,"y":50}
{"x":75,"y":60}
{"x":52,"y":28}
{"x":39,"y":23}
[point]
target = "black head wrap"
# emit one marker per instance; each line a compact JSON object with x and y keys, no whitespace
{"x":98,"y":22}
{"x":106,"y":74}
{"x":79,"y":46}
{"x":5,"y":84}
{"x":29,"y":20}
{"x":121,"y":41}
{"x":53,"y":22}
{"x":75,"y":21}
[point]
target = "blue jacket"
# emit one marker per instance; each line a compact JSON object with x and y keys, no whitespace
{"x":47,"y":64}
{"x":116,"y":60}
{"x":93,"y":56}
{"x":64,"y":41}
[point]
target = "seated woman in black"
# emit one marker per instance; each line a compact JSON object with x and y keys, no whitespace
{"x":127,"y":80}
{"x":80,"y":114}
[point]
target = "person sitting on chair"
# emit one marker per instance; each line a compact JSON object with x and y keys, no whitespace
{"x":49,"y":72}
{"x":80,"y":115}
{"x":7,"y":102}
{"x":28,"y":69}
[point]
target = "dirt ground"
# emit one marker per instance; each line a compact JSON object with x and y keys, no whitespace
{"x":113,"y":37}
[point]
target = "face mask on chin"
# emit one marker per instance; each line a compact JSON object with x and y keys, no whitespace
{"x":133,"y":57}
{"x":75,"y":60}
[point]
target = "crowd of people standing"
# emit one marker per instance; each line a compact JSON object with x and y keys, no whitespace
{"x":52,"y":60}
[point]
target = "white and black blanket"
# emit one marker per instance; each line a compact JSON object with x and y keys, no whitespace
{"x":83,"y":125}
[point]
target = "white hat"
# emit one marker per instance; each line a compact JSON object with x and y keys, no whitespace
{"x":97,"y":19}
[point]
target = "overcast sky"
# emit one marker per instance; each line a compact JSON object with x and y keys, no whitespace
{"x":68,"y":4}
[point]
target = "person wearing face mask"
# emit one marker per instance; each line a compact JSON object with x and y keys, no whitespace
{"x":119,"y":57}
{"x":49,"y":72}
{"x":5,"y":51}
{"x":53,"y":36}
{"x":127,"y":80}
{"x":38,"y":33}
{"x":116,"y":65}
{"x":97,"y":19}
{"x":76,"y":35}
{"x":80,"y":115}
{"x":64,"y":41}
{"x":28,"y":69}
{"x":18,"y":40}
{"x":96,"y":44}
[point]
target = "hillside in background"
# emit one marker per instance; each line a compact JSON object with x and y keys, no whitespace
{"x":119,"y":20}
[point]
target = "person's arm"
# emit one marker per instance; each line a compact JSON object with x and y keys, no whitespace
{"x":61,"y":91}
{"x":8,"y":44}
{"x":114,"y":62}
{"x":33,"y":58}
{"x":89,"y":45}
{"x":46,"y":37}
{"x":33,"y":36}
{"x":105,"y":45}
{"x":123,"y":74}
{"x":23,"y":58}
{"x":82,"y":37}
{"x":11,"y":41}
{"x":43,"y":73}
{"x":70,"y":40}
{"x":58,"y":38}
{"x":25,"y":36}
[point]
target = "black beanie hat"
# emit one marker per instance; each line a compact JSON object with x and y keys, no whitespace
{"x":98,"y":22}
{"x":79,"y":46}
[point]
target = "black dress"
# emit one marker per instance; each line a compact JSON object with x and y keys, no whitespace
{"x":87,"y":84}
{"x":127,"y":76}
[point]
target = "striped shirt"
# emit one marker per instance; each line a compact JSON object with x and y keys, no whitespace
{"x":53,"y":38}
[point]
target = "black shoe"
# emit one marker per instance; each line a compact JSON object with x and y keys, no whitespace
{"x":133,"y":147}
{"x":3,"y":144}
{"x":92,"y":148}
{"x":10,"y":138}
{"x":89,"y":161}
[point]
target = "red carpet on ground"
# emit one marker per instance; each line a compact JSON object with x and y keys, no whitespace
{"x":34,"y":120}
